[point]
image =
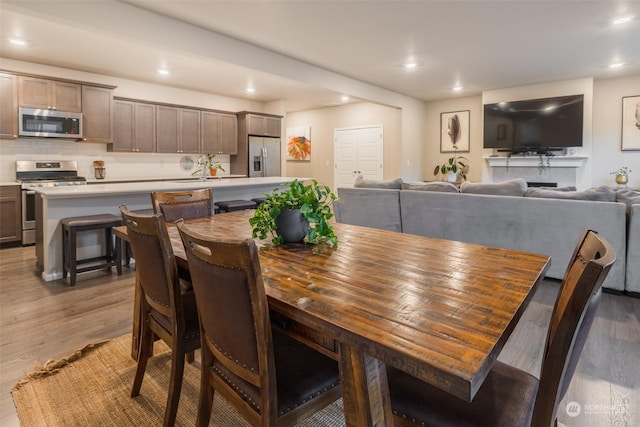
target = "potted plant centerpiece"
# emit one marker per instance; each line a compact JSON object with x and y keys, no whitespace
{"x":622,"y":175}
{"x":456,"y":165}
{"x":208,"y":162}
{"x":299,"y":213}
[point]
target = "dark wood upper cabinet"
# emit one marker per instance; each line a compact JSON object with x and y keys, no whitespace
{"x":177,"y":130}
{"x":219,"y":133}
{"x":263,"y":125}
{"x":34,"y":92}
{"x":134,"y":127}
{"x":8,"y":106}
{"x":97,"y":114}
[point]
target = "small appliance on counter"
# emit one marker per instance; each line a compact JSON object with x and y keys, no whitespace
{"x":100,"y":171}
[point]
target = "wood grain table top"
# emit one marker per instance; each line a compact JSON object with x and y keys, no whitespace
{"x":440,"y":310}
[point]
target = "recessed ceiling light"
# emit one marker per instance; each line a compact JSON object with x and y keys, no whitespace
{"x":410,"y":65}
{"x":616,"y":65}
{"x":163,"y":71}
{"x":251,"y":90}
{"x":344,"y":98}
{"x":17,"y":42}
{"x":457,"y":88}
{"x":622,"y":20}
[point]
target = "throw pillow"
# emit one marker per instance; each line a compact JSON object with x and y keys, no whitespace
{"x":567,"y":188}
{"x":440,"y":186}
{"x":598,"y":194}
{"x":514,"y":187}
{"x":393,"y":184}
{"x":627,"y":196}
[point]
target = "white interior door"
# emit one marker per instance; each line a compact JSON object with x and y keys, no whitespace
{"x":357,"y":151}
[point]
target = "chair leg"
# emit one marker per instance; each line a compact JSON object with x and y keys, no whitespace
{"x":175,"y":385}
{"x":146,"y":340}
{"x":205,"y":402}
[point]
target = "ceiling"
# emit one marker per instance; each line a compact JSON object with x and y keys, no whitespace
{"x":310,"y":53}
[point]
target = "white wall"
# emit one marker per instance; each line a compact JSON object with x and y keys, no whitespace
{"x":607,"y":124}
{"x":323,"y":122}
{"x":603,"y":120}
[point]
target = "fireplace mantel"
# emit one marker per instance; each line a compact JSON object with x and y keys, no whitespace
{"x":533,"y":161}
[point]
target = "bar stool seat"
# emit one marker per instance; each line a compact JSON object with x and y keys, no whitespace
{"x":258,"y":200}
{"x":235,"y":205}
{"x":71,"y":226}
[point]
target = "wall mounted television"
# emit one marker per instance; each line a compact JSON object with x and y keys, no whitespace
{"x":534,"y":125}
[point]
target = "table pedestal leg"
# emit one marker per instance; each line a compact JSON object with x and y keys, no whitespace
{"x":365,"y":389}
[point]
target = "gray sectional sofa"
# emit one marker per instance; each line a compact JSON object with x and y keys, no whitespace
{"x":512,"y":217}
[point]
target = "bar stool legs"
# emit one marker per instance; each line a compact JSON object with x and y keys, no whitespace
{"x":70,"y":229}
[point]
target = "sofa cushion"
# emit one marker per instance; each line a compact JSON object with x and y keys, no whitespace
{"x":600,"y":194}
{"x":441,"y":186}
{"x":391,"y":184}
{"x":513,"y":187}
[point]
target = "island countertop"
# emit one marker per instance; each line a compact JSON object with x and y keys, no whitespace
{"x":119,"y":188}
{"x":56,"y":203}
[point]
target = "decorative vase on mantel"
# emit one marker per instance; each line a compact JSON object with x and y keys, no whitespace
{"x":291,"y":225}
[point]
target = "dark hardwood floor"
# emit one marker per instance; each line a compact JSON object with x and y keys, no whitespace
{"x":41,"y":321}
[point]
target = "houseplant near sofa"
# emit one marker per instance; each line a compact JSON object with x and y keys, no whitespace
{"x":455,"y":165}
{"x":622,"y":175}
{"x":306,"y":208}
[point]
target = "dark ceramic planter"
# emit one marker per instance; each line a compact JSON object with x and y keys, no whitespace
{"x":291,"y":225}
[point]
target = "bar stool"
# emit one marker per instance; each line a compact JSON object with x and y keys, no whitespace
{"x":71,"y":226}
{"x":235,"y":205}
{"x":259,"y":200}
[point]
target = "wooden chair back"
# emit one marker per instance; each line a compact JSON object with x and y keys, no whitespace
{"x":182,"y":204}
{"x":165,"y":311}
{"x":234,"y":320}
{"x":155,"y":263}
{"x":571,"y":321}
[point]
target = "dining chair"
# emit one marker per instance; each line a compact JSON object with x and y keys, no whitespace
{"x":510,"y":396}
{"x":167,"y":311}
{"x":270,"y":378}
{"x":182,"y":204}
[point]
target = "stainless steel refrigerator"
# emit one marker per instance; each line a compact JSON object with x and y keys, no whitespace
{"x":264,"y":156}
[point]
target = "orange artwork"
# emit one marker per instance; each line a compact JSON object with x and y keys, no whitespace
{"x":298,"y":148}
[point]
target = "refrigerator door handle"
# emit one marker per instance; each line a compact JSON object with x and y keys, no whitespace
{"x":264,"y":152}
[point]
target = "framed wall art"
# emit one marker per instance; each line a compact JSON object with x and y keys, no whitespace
{"x":454,"y":132}
{"x":299,"y":143}
{"x":630,"y":123}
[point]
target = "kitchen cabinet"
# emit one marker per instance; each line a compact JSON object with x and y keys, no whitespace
{"x":97,"y":114}
{"x":134,"y":126}
{"x":177,"y":130}
{"x":252,"y":124}
{"x":8,"y":106}
{"x":34,"y":92}
{"x":10,"y":212}
{"x":263,"y":125}
{"x":219,"y":133}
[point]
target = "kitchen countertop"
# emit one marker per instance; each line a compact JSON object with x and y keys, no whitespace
{"x":92,"y":181}
{"x":8,"y":183}
{"x":118,"y":188}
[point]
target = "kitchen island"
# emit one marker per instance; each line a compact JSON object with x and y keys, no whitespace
{"x":55,"y":203}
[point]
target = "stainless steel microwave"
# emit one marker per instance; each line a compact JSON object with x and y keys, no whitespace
{"x":49,"y":123}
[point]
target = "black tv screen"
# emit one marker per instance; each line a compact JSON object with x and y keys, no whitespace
{"x":534,"y":124}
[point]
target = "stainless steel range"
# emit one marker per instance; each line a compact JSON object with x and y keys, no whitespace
{"x":36,"y":174}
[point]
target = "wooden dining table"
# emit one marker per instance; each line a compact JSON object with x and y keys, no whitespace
{"x":440,"y":310}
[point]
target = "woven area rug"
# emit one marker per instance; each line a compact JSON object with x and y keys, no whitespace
{"x":91,"y":388}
